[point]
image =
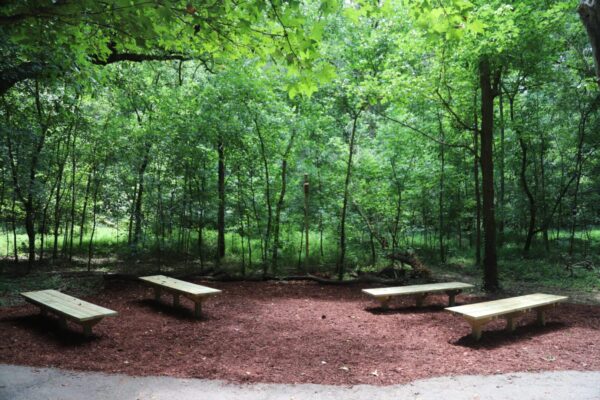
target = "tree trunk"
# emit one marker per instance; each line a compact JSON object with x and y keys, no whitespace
{"x":501,"y":201}
{"x":490,"y":266}
{"x":530,"y":198}
{"x":476,"y":163}
{"x":137,"y":210}
{"x":342,"y":258}
{"x":267,"y":236}
{"x":221,"y":192}
{"x":85,"y":204}
{"x":441,"y":193}
{"x":589,"y":12}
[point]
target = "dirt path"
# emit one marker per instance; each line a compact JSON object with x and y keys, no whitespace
{"x":25,"y":383}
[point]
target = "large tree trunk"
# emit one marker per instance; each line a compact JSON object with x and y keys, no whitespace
{"x":589,"y":12}
{"x":490,"y":277}
{"x":476,"y":163}
{"x":501,"y":201}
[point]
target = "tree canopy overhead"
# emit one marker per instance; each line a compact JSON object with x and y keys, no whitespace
{"x":457,"y":130}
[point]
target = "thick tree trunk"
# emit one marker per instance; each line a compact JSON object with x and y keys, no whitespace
{"x":490,"y":266}
{"x":589,"y":12}
{"x":501,"y":201}
{"x":476,"y":163}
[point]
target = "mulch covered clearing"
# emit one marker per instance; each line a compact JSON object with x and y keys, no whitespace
{"x":297,"y":332}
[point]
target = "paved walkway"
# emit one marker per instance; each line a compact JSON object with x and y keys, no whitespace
{"x":25,"y":383}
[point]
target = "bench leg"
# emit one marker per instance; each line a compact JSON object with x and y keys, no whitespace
{"x":452,"y":297}
{"x":384,"y":302}
{"x":43,"y":312}
{"x":541,"y":317}
{"x":87,"y":330}
{"x":476,"y":327}
{"x":198,"y":308}
{"x":175,"y":300}
{"x":157,"y":293}
{"x":420,"y":298}
{"x":510,"y":321}
{"x":87,"y":326}
{"x":62,"y":322}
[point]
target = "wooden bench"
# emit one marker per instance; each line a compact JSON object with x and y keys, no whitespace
{"x":196,"y":293}
{"x":68,"y":308}
{"x":479,"y":314}
{"x":420,"y":292}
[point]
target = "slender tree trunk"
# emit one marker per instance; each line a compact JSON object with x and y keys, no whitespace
{"x":94,"y":214}
{"x":342,"y":259}
{"x":14,"y":228}
{"x":441,"y":193}
{"x":85,"y":204}
{"x":530,"y":198}
{"x":306,"y":228}
{"x":72,"y":220}
{"x":267,"y":193}
{"x":137,"y":211}
{"x":221,"y":211}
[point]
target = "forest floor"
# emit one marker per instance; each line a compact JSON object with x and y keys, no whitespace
{"x":297,"y":332}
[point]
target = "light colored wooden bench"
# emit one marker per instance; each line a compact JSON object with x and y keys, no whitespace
{"x":68,"y":308}
{"x":420,"y":292}
{"x":479,"y":314}
{"x":196,"y":293}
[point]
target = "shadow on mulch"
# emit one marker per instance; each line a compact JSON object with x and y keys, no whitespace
{"x":181,"y":312}
{"x":405,"y":310}
{"x":500,"y":337}
{"x":48,"y":328}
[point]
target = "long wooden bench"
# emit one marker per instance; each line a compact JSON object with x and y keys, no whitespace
{"x":68,"y":308}
{"x":420,"y":292}
{"x":192,"y":291}
{"x":479,"y":314}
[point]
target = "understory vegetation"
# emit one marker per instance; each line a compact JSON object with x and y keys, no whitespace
{"x":287,"y":138}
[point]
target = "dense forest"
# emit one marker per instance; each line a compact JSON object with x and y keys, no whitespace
{"x":282,"y":137}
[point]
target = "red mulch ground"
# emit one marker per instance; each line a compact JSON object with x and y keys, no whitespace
{"x":297,"y":332}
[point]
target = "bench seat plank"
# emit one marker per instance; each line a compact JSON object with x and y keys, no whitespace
{"x":420,"y":292}
{"x":68,"y":306}
{"x":479,"y":314}
{"x":179,"y":285}
{"x":196,"y":293}
{"x":417,"y":289}
{"x":489,"y":309}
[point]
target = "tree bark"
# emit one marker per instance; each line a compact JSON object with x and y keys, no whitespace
{"x":137,"y":210}
{"x":221,"y":193}
{"x":589,"y":12}
{"x":342,"y":258}
{"x":490,"y":278}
